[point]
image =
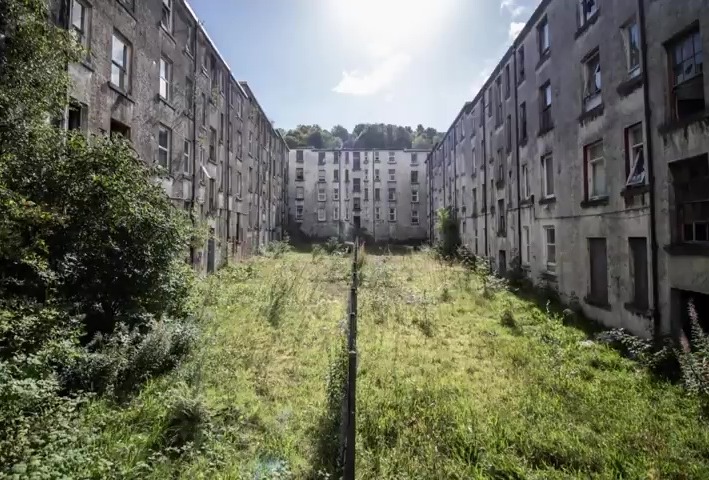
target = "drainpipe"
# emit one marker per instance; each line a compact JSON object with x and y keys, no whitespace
{"x":195,"y":176}
{"x":259,"y":188}
{"x":484,"y":144}
{"x":656,"y":317}
{"x":516,"y":109}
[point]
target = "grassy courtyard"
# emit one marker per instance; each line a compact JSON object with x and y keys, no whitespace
{"x":454,"y":382}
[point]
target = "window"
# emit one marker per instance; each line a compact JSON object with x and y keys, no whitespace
{"x":347,"y":176}
{"x":357,"y":204}
{"x":251,"y":143}
{"x":129,"y":4}
{"x":414,"y":195}
{"x":414,"y":159}
{"x":392,"y":175}
{"x":165,"y":78}
{"x":355,"y":161}
{"x":392,"y":194}
{"x":545,"y":123}
{"x":523,"y":122}
{"x":489,"y":102}
{"x":204,"y":109}
{"x":164,"y":142}
{"x":336,"y":213}
{"x":377,"y":213}
{"x":508,"y":128}
{"x":212,"y":145}
{"x":548,"y":176}
{"x":239,"y":144}
{"x":212,"y":194}
{"x":392,"y":214}
{"x":543,"y":36}
{"x":587,"y":9}
{"x":525,"y":245}
{"x":166,"y":20}
{"x":187,"y":156}
{"x":321,"y":175}
{"x":322,"y":216}
{"x":631,"y":41}
{"x":634,"y":155}
{"x":690,"y":184}
{"x":299,"y":174}
{"x":507,"y":81}
{"x":299,"y":193}
{"x":366,"y":194}
{"x":335,"y":175}
{"x":550,"y":249}
{"x":414,"y":176}
{"x":221,"y":128}
{"x":377,"y":194}
{"x":189,"y":96}
{"x":376,"y":157}
{"x":356,"y":185}
{"x":376,"y":174}
{"x":392,"y":157}
{"x":321,"y":158}
{"x":80,"y":14}
{"x":475,"y":201}
{"x":687,"y":75}
{"x":298,"y":156}
{"x":498,"y":101}
{"x":595,"y":171}
{"x":229,"y":176}
{"x":592,"y":82}
{"x":501,"y":216}
{"x":525,"y":182}
{"x":322,"y":196}
{"x":120,"y":62}
{"x":638,"y":272}
{"x":299,"y":212}
{"x":598,"y":293}
{"x":347,"y":211}
{"x":251,"y":179}
{"x":239,"y":105}
{"x":238,"y":184}
{"x":76,"y":119}
{"x":190,"y":40}
{"x":336,"y":193}
{"x":520,"y":62}
{"x":414,"y":217}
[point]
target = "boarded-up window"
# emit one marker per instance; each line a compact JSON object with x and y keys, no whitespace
{"x":599,"y":271}
{"x":638,"y":271}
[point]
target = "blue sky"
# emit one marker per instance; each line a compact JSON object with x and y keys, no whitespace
{"x":358,"y":61}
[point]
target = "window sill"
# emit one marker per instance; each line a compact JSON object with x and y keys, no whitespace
{"x":502,"y":234}
{"x":598,"y":304}
{"x":543,"y":58}
{"x":688,"y":249}
{"x":121,"y":92}
{"x":673,"y":125}
{"x":168,"y":34}
{"x":641,"y":311}
{"x":128,"y":10}
{"x":188,"y":53}
{"x":86,"y":63}
{"x":632,"y":190}
{"x":630,"y":85}
{"x":500,"y":184}
{"x":551,"y":276}
{"x":593,"y":19}
{"x":166,"y":102}
{"x":526,"y":202}
{"x":547,"y":200}
{"x":544,"y":131}
{"x":595,"y":202}
{"x":592,"y":114}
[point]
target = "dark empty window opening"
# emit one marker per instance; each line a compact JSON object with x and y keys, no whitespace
{"x":118,"y":128}
{"x":687,"y":73}
{"x":690,"y":183}
{"x":598,"y":292}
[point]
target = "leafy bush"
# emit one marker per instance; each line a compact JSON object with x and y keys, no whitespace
{"x":447,"y":246}
{"x":277,"y":249}
{"x":694,"y":360}
{"x":333,"y":245}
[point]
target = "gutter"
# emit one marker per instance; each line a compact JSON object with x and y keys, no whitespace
{"x":484,"y":144}
{"x":656,"y":316}
{"x":516,"y":109}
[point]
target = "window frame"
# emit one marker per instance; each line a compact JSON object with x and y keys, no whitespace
{"x":322,"y":214}
{"x":414,"y":216}
{"x":593,"y":81}
{"x":322,"y":193}
{"x":591,"y":190}
{"x":165,"y":78}
{"x":543,"y":37}
{"x":392,"y":210}
{"x":635,"y":157}
{"x":546,"y":193}
{"x":633,"y":70}
{"x":167,"y":7}
{"x":415,"y":195}
{"x":82,"y":34}
{"x":586,"y":13}
{"x":550,"y":266}
{"x":124,"y":71}
{"x":167,"y":149}
{"x":695,"y":80}
{"x":546,"y":120}
{"x":187,"y":156}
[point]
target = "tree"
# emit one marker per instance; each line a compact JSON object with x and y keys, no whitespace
{"x":340,"y":132}
{"x":315,"y":139}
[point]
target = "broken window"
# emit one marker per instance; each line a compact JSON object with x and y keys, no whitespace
{"x":164,"y":145}
{"x":587,"y":9}
{"x":598,"y":292}
{"x":687,"y":66}
{"x":635,"y":156}
{"x":592,"y":82}
{"x":690,"y":182}
{"x":321,"y":158}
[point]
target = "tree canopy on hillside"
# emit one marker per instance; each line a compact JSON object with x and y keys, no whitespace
{"x":364,"y":135}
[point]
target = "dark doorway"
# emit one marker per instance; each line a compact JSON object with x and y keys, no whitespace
{"x":357,"y":222}
{"x":502,"y":267}
{"x":210,"y":252}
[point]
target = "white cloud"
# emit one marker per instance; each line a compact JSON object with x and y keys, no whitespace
{"x":381,"y":76}
{"x":513,"y":7}
{"x":482,"y":77}
{"x":515,"y":28}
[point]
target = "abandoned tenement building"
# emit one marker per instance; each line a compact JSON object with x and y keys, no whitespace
{"x":584,"y":157}
{"x":152,"y":74}
{"x":380,"y":195}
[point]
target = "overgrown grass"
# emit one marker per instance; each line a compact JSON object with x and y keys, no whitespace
{"x":495,"y":387}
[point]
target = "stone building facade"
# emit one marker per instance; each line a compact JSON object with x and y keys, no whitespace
{"x":583,"y":160}
{"x":379,"y":194}
{"x":153,"y":75}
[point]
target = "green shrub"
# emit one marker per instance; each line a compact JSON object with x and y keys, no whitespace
{"x":694,"y":360}
{"x":447,"y":246}
{"x":276,"y":249}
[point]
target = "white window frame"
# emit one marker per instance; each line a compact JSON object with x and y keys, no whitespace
{"x":336,"y":193}
{"x":378,"y":214}
{"x":336,"y":213}
{"x":299,"y":212}
{"x":391,"y":195}
{"x":595,"y":157}
{"x":414,"y":217}
{"x":550,"y":265}
{"x":392,"y":157}
{"x":547,"y":192}
{"x":525,"y":182}
{"x":165,"y":78}
{"x":82,"y":30}
{"x":322,"y":214}
{"x":299,"y":192}
{"x":167,"y":8}
{"x":322,"y":195}
{"x":545,"y":39}
{"x":164,"y":149}
{"x":593,"y":82}
{"x":392,"y":175}
{"x":525,"y":246}
{"x":121,"y":67}
{"x":631,"y":35}
{"x":636,"y":153}
{"x":187,"y":156}
{"x":392,"y":214}
{"x":586,"y":10}
{"x":414,"y":195}
{"x":322,"y":176}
